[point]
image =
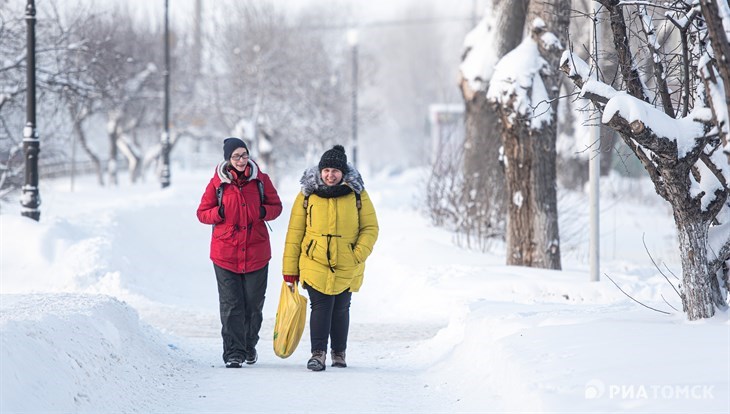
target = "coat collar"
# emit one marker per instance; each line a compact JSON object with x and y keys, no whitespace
{"x":225,"y":176}
{"x":311,"y":180}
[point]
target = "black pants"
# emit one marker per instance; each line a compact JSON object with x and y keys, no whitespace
{"x":241,"y":297}
{"x":330,"y":318}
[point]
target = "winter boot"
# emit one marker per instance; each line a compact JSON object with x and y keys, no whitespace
{"x":252,"y":356}
{"x":234,"y":362}
{"x":338,"y":359}
{"x":317,"y":361}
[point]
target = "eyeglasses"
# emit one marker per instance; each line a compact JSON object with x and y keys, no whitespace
{"x":239,"y":157}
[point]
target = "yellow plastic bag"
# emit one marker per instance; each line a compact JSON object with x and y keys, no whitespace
{"x":291,"y":316}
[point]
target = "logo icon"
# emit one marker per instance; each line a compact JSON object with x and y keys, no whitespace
{"x":594,"y":389}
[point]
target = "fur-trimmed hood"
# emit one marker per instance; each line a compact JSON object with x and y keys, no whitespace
{"x":226,"y":177}
{"x":311,"y":180}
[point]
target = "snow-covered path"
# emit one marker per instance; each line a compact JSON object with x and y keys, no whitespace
{"x":376,"y":378}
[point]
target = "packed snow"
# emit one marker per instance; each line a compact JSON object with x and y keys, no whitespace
{"x":109,"y":304}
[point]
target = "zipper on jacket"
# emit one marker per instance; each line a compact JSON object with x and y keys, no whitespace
{"x":310,"y":215}
{"x":309,"y":246}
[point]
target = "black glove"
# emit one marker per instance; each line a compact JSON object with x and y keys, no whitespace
{"x":221,"y":212}
{"x":262,"y":212}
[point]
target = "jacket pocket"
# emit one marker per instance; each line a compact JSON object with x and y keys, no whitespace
{"x":309,"y":249}
{"x":259,"y":232}
{"x":222,"y":231}
{"x":223,"y":243}
{"x":354,"y":254}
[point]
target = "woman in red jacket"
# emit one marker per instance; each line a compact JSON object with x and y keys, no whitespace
{"x":237,"y":201}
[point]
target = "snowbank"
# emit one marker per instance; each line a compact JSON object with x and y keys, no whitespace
{"x":82,"y":353}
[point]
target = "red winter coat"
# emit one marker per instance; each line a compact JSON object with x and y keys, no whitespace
{"x":240,"y":241}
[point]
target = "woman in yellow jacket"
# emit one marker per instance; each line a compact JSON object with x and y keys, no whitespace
{"x":332,"y":231}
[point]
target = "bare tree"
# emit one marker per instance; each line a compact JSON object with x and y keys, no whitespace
{"x":277,"y":72}
{"x":125,"y":74}
{"x":58,"y":76}
{"x":679,"y":139}
{"x":79,"y":90}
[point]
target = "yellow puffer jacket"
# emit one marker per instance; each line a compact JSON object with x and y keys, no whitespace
{"x":327,"y":244}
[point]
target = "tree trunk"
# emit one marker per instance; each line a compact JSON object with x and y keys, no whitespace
{"x":543,"y":200}
{"x":484,"y":177}
{"x":697,"y":297}
{"x":134,"y":161}
{"x":79,"y":131}
{"x":518,"y":167}
{"x":484,"y":180}
{"x":113,"y":131}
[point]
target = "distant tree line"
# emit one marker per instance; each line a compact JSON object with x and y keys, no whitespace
{"x":100,"y":85}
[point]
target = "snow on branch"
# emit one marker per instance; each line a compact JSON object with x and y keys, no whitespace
{"x":667,"y":136}
{"x":576,"y":68}
{"x":479,"y":56}
{"x":598,"y":91}
{"x":517,"y":84}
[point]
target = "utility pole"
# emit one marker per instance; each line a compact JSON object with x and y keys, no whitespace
{"x":30,"y":198}
{"x":594,"y":171}
{"x":165,"y":140}
{"x":353,"y":40}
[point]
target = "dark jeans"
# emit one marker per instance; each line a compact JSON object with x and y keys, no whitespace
{"x":241,"y":297}
{"x":330,"y":319}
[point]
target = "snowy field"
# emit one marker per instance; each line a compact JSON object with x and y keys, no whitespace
{"x":109,"y":304}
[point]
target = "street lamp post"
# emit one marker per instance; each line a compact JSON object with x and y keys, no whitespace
{"x":165,"y":139}
{"x":30,"y":198}
{"x":352,"y":40}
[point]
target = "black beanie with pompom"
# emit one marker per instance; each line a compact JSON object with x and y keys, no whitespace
{"x":334,"y":158}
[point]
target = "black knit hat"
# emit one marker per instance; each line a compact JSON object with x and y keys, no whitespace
{"x":230,"y":145}
{"x":334,"y":158}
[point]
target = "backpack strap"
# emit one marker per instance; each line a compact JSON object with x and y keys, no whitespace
{"x":260,"y":184}
{"x":219,"y":194}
